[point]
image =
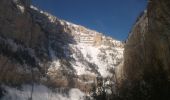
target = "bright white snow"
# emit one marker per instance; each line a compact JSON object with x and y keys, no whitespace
{"x":21,"y":8}
{"x":91,"y":54}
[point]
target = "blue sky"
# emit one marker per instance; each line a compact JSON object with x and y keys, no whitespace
{"x":111,"y":17}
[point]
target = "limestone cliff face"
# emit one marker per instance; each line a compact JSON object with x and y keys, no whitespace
{"x":146,"y":68}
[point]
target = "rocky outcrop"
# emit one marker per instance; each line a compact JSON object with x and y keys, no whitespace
{"x":146,"y":71}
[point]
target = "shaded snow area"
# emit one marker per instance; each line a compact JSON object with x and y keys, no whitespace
{"x":40,"y":92}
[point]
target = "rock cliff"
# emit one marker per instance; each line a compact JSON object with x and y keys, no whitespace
{"x":145,"y":72}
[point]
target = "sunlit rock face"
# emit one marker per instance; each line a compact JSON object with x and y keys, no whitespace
{"x":145,"y":72}
{"x":37,"y":47}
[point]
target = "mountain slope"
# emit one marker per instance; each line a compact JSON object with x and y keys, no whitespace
{"x":38,"y":48}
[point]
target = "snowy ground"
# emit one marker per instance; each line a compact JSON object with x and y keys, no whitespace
{"x":40,"y":92}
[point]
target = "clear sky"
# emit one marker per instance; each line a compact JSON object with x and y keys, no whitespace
{"x":111,"y":17}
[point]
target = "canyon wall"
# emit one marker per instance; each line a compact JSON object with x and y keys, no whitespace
{"x":145,"y":74}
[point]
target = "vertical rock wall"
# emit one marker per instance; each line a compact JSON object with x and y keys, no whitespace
{"x":146,"y":70}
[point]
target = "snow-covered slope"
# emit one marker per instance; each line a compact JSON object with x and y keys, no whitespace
{"x":88,"y":51}
{"x":41,"y":48}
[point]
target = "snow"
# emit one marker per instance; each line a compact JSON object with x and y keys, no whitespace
{"x":55,"y":64}
{"x":52,"y":54}
{"x":55,"y":60}
{"x":40,"y":92}
{"x":21,"y":8}
{"x":33,"y":7}
{"x":108,"y":91}
{"x":94,"y":53}
{"x":71,"y":24}
{"x":86,"y":82}
{"x":81,"y":69}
